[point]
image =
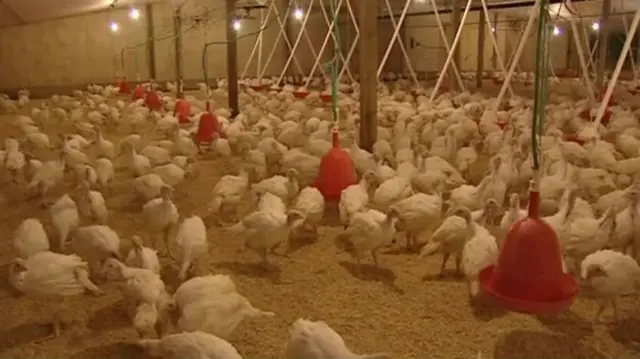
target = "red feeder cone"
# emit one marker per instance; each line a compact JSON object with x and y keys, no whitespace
{"x":152,"y":100}
{"x":138,"y":92}
{"x":182,"y":110}
{"x":528,"y":276}
{"x":207,"y":126}
{"x":124,"y":86}
{"x":336,"y":171}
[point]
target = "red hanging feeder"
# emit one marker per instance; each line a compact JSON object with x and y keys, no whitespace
{"x":207,"y":126}
{"x":574,"y":138}
{"x":138,"y":92}
{"x":182,"y":110}
{"x":528,"y":276}
{"x":300,"y":94}
{"x":152,"y":100}
{"x":124,"y":86}
{"x":336,"y":171}
{"x":326,"y":97}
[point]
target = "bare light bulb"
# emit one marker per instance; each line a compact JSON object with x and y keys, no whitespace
{"x":595,"y":26}
{"x":556,"y":31}
{"x":114,"y":27}
{"x":134,"y":14}
{"x":297,"y":14}
{"x":236,"y":25}
{"x":493,"y":29}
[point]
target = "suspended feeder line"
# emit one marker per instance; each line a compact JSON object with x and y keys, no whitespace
{"x":542,"y":48}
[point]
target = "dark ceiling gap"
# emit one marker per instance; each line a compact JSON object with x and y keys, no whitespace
{"x":13,"y":11}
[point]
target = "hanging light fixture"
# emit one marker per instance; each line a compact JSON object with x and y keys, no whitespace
{"x":134,"y":14}
{"x":298,"y":14}
{"x":114,"y":26}
{"x":236,"y":24}
{"x":595,"y":26}
{"x":556,"y":31}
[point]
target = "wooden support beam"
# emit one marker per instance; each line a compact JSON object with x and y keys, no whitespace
{"x":151,"y":44}
{"x":494,"y":55}
{"x":368,"y":58}
{"x":455,"y":24}
{"x":603,"y":44}
{"x":232,"y":58}
{"x":177,"y":25}
{"x":570,"y":45}
{"x":481,"y":37}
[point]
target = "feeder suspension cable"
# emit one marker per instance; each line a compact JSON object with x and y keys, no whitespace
{"x":541,"y":64}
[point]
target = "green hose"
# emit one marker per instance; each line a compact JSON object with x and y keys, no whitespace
{"x":542,"y":49}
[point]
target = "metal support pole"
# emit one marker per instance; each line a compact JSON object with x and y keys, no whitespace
{"x":368,"y":24}
{"x":177,"y":25}
{"x":481,"y":37}
{"x":151,"y":45}
{"x":603,"y":47}
{"x":232,"y":58}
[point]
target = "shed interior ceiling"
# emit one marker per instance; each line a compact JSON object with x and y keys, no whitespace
{"x":16,"y":12}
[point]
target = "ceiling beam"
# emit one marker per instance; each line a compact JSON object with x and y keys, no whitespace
{"x":495,"y":6}
{"x":13,"y":12}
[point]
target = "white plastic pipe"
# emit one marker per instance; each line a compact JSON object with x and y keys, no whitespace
{"x":257,"y":46}
{"x":396,"y":32}
{"x":494,"y":42}
{"x":518,"y":54}
{"x":456,"y":40}
{"x":281,"y":33}
{"x":324,"y":43}
{"x":447,"y":47}
{"x":583,"y":63}
{"x":407,"y":59}
{"x":354,"y":44}
{"x":296,"y":43}
{"x":618,"y":69}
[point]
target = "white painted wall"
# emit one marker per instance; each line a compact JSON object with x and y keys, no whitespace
{"x":78,"y":50}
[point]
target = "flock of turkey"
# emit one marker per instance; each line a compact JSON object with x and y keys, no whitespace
{"x":445,"y":178}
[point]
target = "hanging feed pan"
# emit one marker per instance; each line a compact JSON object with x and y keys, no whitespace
{"x":325,"y":97}
{"x":300,"y":94}
{"x":528,"y":276}
{"x":336,"y":171}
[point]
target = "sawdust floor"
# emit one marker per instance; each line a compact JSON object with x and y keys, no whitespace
{"x":403,"y":309}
